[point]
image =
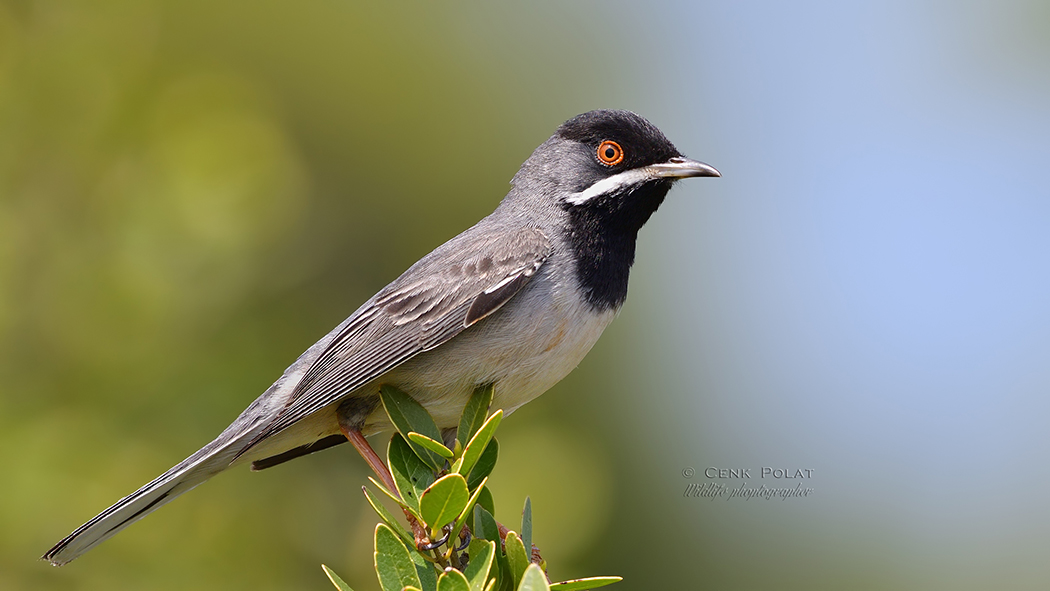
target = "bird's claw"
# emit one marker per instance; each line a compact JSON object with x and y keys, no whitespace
{"x":427,"y":545}
{"x":465,"y":536}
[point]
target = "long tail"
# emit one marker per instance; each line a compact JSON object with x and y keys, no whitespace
{"x":202,"y":465}
{"x":228,"y":449}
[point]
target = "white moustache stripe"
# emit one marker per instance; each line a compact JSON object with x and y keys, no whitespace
{"x":613,"y":184}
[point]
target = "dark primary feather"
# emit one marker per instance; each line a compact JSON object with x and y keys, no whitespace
{"x":493,"y":298}
{"x":425,"y":307}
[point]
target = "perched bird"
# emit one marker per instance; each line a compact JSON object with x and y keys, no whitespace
{"x":515,"y":301}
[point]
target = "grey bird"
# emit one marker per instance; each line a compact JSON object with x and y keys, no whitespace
{"x":515,"y":301}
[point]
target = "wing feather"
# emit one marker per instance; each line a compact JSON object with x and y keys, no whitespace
{"x":444,"y":293}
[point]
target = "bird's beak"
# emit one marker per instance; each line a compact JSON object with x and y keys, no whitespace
{"x":678,"y":167}
{"x":681,"y":167}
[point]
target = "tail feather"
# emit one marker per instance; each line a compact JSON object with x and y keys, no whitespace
{"x":228,"y":449}
{"x":194,"y":470}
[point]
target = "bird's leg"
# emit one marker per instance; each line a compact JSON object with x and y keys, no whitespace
{"x":357,"y":439}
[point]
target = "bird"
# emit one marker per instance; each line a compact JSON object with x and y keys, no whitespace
{"x":515,"y":302}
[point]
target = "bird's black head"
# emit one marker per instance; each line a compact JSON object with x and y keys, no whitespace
{"x":618,"y":141}
{"x":624,"y":154}
{"x":615,"y":169}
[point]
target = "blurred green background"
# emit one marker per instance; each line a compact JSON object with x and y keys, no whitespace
{"x":191,"y":193}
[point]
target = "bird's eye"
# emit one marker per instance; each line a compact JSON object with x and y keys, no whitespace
{"x":610,"y":153}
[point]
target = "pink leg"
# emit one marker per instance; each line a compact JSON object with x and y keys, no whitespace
{"x":357,"y":439}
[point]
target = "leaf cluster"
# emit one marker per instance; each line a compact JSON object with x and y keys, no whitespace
{"x":442,"y":487}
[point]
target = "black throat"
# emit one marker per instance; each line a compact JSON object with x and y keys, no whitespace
{"x":603,"y":233}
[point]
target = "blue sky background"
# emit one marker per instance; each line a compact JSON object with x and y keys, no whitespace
{"x":865,"y":291}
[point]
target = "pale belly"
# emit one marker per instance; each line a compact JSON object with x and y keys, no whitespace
{"x":523,"y":356}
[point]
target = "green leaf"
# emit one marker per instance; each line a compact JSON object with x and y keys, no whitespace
{"x":478,"y":443}
{"x":452,"y":580}
{"x":588,"y":583}
{"x":411,"y":475}
{"x":534,"y":580}
{"x":477,"y":548}
{"x":388,"y":519}
{"x":474,"y":413}
{"x":516,"y":556}
{"x":486,"y":524}
{"x":526,"y":526}
{"x":506,"y":579}
{"x":485,"y":500}
{"x":485,"y":464}
{"x":477,"y":571}
{"x":393,"y":562}
{"x":443,"y":501}
{"x":434,"y":446}
{"x":491,"y":585}
{"x":466,"y":513}
{"x":394,"y":497}
{"x":334,"y":578}
{"x":426,"y":570}
{"x":408,"y":416}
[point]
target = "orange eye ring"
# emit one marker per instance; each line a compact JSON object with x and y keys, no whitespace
{"x":610,"y":153}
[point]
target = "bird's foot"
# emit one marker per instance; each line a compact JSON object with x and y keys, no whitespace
{"x":425,"y":544}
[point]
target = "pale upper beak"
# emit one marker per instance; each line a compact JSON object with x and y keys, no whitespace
{"x":681,"y":167}
{"x":678,"y":167}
